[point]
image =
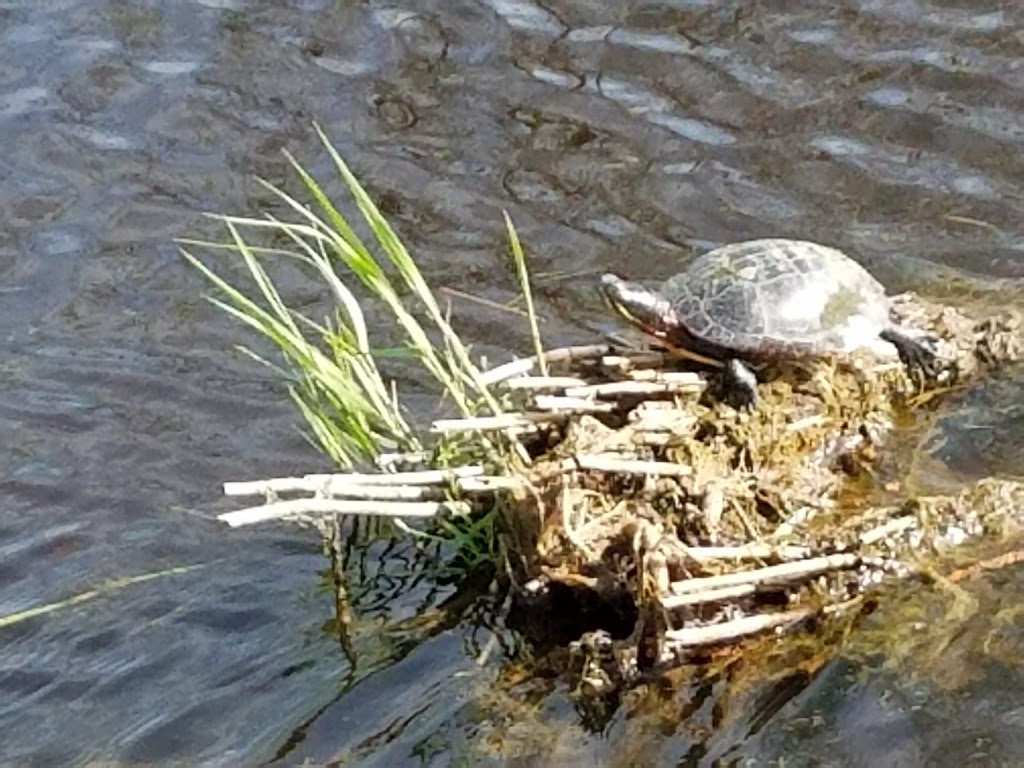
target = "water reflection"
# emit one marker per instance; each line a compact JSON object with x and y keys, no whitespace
{"x":611,"y":131}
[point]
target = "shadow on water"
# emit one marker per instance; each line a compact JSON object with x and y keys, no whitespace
{"x":623,"y":135}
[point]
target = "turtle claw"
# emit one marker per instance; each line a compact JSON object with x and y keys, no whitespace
{"x":920,"y":354}
{"x":740,"y":385}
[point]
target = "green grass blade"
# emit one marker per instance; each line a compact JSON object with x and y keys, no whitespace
{"x":524,"y":285}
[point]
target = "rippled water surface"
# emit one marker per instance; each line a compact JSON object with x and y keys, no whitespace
{"x":623,"y":135}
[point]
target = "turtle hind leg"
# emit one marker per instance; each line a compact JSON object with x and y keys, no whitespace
{"x":918,"y":353}
{"x":739,"y":383}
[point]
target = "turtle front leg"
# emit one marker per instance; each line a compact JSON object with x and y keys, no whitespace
{"x":740,"y":383}
{"x":918,"y":353}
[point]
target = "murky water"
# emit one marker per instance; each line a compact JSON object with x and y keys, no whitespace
{"x":618,"y":135}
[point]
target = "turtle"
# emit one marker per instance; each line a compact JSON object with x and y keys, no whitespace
{"x":760,"y":301}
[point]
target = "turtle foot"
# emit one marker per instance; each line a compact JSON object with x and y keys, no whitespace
{"x":918,"y":353}
{"x":740,"y":384}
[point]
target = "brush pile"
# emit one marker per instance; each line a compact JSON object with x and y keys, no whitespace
{"x":628,"y":476}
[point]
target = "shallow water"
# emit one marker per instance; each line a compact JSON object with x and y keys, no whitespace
{"x":619,"y":135}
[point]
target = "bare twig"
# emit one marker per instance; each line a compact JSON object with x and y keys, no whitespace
{"x":708,"y":596}
{"x":609,"y":357}
{"x":747,"y":552}
{"x":898,"y":525}
{"x":493,"y":423}
{"x":800,"y":569}
{"x":413,"y":458}
{"x":625,"y":360}
{"x":689,"y":637}
{"x":336,"y":484}
{"x":571,"y":404}
{"x":615,"y":389}
{"x":544,"y":382}
{"x":600,"y":463}
{"x":669,"y":377}
{"x":315,"y":506}
{"x":490,"y":483}
{"x":561,"y":355}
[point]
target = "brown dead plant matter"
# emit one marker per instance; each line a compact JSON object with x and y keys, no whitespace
{"x":731,"y":523}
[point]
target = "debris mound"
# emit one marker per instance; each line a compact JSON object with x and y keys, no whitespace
{"x":630,"y":476}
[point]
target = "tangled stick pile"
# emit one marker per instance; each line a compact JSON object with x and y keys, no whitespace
{"x":723,"y":523}
{"x":628,"y":477}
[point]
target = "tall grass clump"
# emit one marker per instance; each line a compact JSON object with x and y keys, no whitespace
{"x":351,"y":409}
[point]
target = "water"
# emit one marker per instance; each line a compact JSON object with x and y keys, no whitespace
{"x":618,"y":135}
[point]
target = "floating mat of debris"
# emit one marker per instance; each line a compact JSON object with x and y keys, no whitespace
{"x":627,"y":474}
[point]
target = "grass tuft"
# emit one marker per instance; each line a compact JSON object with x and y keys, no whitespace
{"x":352,"y":410}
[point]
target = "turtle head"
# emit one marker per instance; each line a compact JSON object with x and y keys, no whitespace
{"x":644,"y":308}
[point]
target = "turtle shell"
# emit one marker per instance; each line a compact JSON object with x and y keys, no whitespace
{"x":776,"y":298}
